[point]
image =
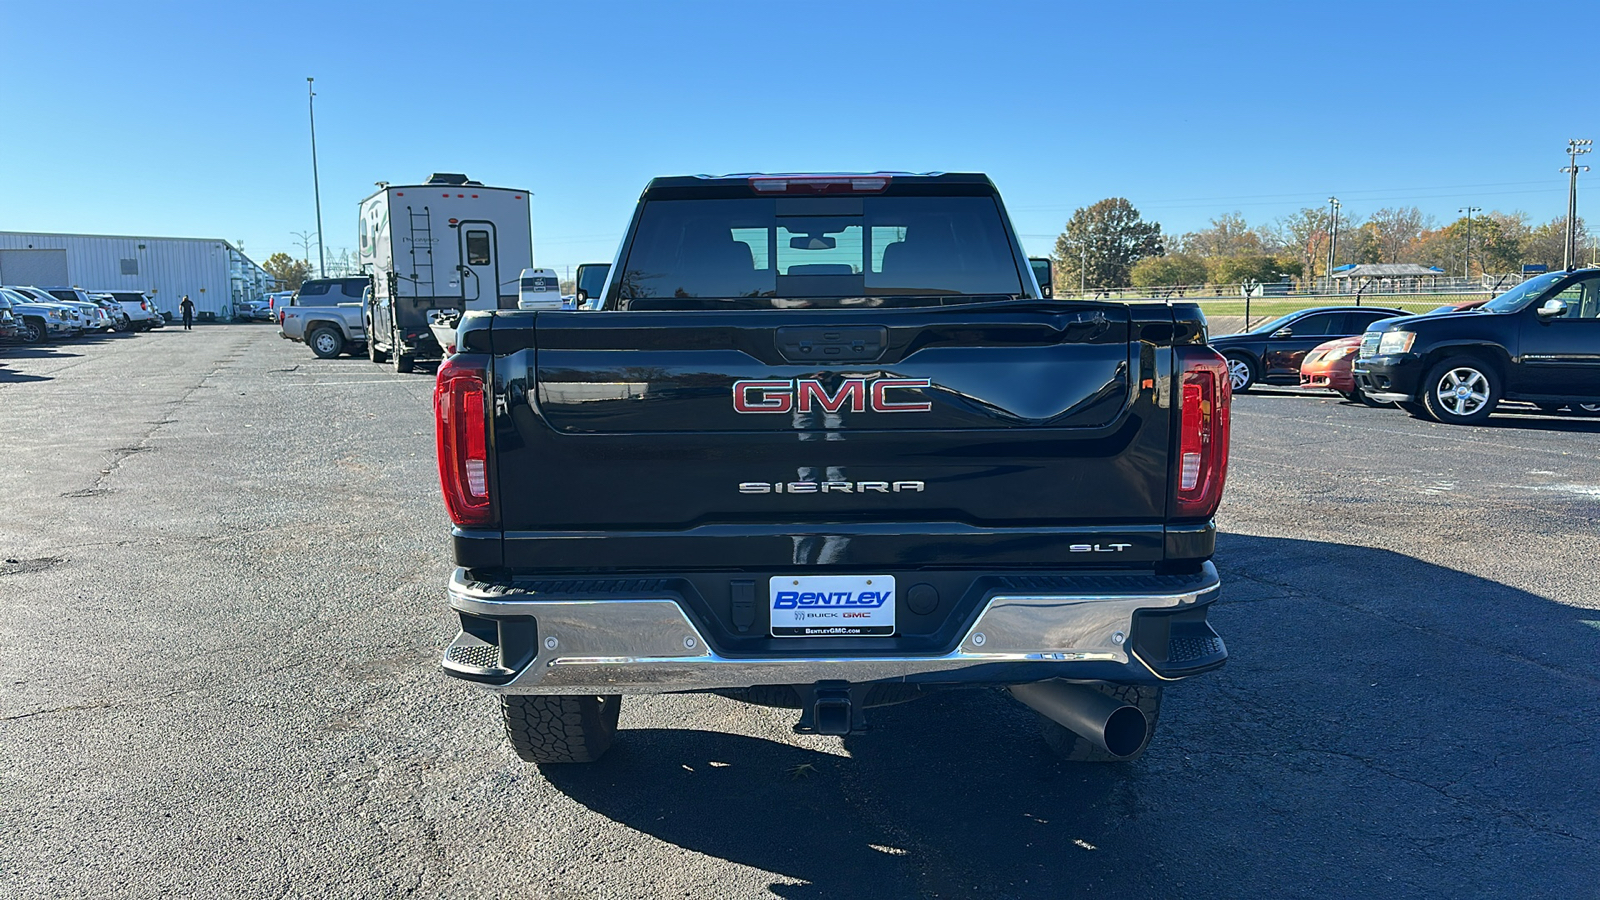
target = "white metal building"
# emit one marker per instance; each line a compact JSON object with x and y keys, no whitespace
{"x":216,"y":275}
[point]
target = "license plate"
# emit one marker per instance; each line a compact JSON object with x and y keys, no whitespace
{"x":832,"y":605}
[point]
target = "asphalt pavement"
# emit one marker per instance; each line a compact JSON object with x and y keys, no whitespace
{"x":222,"y":568}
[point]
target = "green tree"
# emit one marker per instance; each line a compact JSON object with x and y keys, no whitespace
{"x":1168,"y":270}
{"x":1110,"y":237}
{"x":1361,"y":245}
{"x":289,"y":272}
{"x":1257,"y":267}
{"x":1511,"y":233}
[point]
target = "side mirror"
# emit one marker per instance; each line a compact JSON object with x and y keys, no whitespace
{"x":1283,"y":333}
{"x":1043,"y":273}
{"x":1554,"y":308}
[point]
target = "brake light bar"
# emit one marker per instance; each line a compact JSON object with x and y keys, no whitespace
{"x":819,"y":184}
{"x":461,"y":426}
{"x":1205,"y":402}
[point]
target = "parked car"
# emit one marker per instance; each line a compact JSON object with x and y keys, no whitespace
{"x":255,"y":310}
{"x":94,"y":317}
{"x":73,"y":316}
{"x":1328,"y":366}
{"x":36,"y":320}
{"x":1272,"y":353}
{"x":9,"y":324}
{"x":119,"y":316}
{"x":328,"y":315}
{"x":139,"y":306}
{"x":1536,"y":342}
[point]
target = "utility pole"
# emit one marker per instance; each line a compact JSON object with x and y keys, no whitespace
{"x":1083,"y":267}
{"x":305,"y":245}
{"x":316,"y":183}
{"x":1333,"y":239}
{"x":1466,"y":258}
{"x":1575,"y":148}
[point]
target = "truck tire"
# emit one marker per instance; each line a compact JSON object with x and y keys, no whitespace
{"x":1070,"y":746}
{"x":326,"y":342}
{"x":1462,"y":390}
{"x":1241,"y":372}
{"x":560,"y":729}
{"x":33,"y":331}
{"x":403,"y":362}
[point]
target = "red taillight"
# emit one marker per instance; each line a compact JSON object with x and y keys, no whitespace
{"x":462,"y":427}
{"x":143,"y":305}
{"x":819,"y":184}
{"x":1205,"y":398}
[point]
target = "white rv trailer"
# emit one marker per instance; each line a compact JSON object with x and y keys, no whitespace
{"x":452,"y":239}
{"x":450,"y":244}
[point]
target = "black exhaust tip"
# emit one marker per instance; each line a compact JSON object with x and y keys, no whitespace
{"x":1125,"y":732}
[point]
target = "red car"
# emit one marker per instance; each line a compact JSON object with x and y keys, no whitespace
{"x":1328,"y":366}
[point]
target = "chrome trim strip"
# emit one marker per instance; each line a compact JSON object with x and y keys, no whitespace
{"x":1388,"y":397}
{"x":649,"y":645}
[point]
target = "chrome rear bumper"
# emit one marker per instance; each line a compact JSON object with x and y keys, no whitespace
{"x":621,"y":645}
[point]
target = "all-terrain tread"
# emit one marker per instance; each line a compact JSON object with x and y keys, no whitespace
{"x":560,"y":728}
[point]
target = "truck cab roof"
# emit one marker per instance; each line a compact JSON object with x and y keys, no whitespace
{"x":766,"y":184}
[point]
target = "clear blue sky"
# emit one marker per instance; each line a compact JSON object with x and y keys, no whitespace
{"x":189,"y":119}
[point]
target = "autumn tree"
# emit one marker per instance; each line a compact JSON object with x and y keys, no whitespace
{"x":1547,"y":243}
{"x":289,"y":272}
{"x":1395,"y":229}
{"x":1228,"y":235}
{"x":1103,"y":242}
{"x":1304,"y":236}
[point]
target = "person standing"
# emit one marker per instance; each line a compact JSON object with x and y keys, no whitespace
{"x":187,"y":308}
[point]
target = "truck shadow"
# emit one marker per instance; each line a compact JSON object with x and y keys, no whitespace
{"x":1386,"y":727}
{"x":9,"y":377}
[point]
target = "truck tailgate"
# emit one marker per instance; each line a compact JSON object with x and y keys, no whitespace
{"x":1028,"y":427}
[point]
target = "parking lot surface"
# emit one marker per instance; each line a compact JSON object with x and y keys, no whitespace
{"x":222,"y":566}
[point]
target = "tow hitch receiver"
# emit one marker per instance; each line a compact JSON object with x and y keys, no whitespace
{"x":831,"y":707}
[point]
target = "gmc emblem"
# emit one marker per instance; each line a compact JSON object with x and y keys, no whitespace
{"x":808,"y":395}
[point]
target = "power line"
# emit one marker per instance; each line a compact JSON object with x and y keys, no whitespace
{"x":1396,"y":192}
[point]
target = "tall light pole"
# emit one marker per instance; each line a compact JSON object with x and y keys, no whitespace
{"x":1333,"y":241}
{"x":316,"y":183}
{"x":1466,"y":259}
{"x":1083,"y":267}
{"x":1575,"y":148}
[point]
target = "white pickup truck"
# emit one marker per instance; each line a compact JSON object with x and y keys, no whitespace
{"x":326,"y":315}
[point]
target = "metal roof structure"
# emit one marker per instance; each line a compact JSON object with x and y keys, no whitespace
{"x":1386,"y":270}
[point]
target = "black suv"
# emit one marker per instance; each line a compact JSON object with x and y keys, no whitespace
{"x":1538,"y":342}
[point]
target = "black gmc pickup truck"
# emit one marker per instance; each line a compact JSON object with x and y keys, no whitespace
{"x":824,"y":446}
